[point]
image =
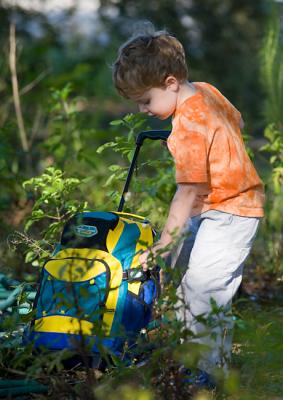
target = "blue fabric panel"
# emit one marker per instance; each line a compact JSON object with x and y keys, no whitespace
{"x":136,"y":315}
{"x":58,"y":247}
{"x":59,"y":341}
{"x":148,"y":292}
{"x":116,"y":325}
{"x":77,"y":299}
{"x":126,"y":246}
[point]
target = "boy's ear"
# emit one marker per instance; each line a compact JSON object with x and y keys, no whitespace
{"x":172,"y":83}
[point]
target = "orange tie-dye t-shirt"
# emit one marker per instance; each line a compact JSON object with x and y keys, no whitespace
{"x":207,"y":146}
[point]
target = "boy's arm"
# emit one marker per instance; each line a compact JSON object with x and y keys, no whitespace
{"x":180,"y":210}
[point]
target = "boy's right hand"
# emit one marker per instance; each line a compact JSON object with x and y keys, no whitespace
{"x":143,"y":259}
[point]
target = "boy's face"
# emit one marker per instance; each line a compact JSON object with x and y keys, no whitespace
{"x":158,"y":102}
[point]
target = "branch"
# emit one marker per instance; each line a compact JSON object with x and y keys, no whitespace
{"x":32,"y":84}
{"x":36,"y":124}
{"x":15,"y":87}
{"x":13,"y":371}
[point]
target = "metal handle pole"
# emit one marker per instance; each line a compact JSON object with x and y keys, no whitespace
{"x":153,"y":135}
{"x":128,"y":180}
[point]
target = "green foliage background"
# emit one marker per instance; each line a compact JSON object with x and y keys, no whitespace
{"x":68,"y":101}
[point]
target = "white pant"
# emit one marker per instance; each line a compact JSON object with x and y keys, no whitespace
{"x":213,"y":256}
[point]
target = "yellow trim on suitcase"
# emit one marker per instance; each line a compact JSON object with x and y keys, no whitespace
{"x":71,"y":252}
{"x":134,"y":287}
{"x":111,"y":303}
{"x":63,"y":324}
{"x":62,"y":266}
{"x":129,"y":215}
{"x":145,"y":240}
{"x":113,"y":237}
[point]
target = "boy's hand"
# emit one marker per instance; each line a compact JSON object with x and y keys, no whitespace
{"x":143,"y":259}
{"x":150,"y":255}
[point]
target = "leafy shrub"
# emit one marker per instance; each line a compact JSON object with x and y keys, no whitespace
{"x":271,"y":236}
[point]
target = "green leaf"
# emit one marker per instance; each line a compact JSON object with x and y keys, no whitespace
{"x":30,"y":256}
{"x":100,"y":149}
{"x":114,"y":168}
{"x":117,"y":122}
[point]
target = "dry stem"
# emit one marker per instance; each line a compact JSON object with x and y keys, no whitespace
{"x":15,"y":87}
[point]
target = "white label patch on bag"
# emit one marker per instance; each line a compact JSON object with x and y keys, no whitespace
{"x":86,"y":230}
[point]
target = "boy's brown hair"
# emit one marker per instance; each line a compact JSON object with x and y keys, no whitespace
{"x":146,"y":60}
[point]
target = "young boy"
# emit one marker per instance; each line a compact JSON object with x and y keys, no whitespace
{"x":219,"y":196}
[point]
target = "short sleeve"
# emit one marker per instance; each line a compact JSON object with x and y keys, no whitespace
{"x":227,"y":106}
{"x":189,"y":150}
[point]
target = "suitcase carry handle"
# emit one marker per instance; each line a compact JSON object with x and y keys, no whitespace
{"x":153,"y":135}
{"x":130,"y":215}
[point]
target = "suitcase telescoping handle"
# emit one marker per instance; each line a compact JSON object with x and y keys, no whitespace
{"x":152,"y":135}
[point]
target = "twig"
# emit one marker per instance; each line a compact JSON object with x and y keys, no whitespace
{"x":53,"y":217}
{"x":15,"y":87}
{"x":36,"y":124}
{"x":13,"y":371}
{"x":32,"y":84}
{"x":18,"y":238}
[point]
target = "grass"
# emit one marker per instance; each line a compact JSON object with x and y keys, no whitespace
{"x":258,"y":351}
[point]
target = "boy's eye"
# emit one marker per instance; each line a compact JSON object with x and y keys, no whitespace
{"x":145,"y":102}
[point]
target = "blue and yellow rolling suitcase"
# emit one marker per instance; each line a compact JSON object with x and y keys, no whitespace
{"x":93,"y":296}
